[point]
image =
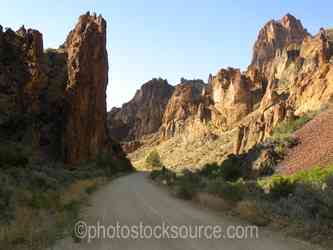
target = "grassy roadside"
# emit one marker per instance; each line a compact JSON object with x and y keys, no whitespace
{"x":40,"y":202}
{"x":300,"y":204}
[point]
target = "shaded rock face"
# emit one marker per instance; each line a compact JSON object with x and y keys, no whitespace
{"x":55,"y":100}
{"x":21,"y":78}
{"x":85,"y":130}
{"x":186,"y":105}
{"x":23,"y":87}
{"x":143,"y":114}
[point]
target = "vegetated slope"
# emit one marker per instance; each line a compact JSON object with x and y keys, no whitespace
{"x":184,"y":151}
{"x":315,"y":147}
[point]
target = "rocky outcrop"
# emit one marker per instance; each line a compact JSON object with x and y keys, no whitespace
{"x":230,"y":91}
{"x":55,"y":100}
{"x":143,"y":114}
{"x":21,"y":78}
{"x":23,"y":83}
{"x":298,"y":71}
{"x":275,"y":36}
{"x":85,"y":130}
{"x":185,"y":107}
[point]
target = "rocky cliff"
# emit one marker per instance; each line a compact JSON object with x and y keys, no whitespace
{"x":143,"y":114}
{"x":87,"y":62}
{"x":185,"y":107}
{"x":290,"y":74}
{"x":276,"y":36}
{"x":55,"y":100}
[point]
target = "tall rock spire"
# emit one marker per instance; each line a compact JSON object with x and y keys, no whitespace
{"x":85,"y":130}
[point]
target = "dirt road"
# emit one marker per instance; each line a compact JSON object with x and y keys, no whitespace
{"x":133,"y":199}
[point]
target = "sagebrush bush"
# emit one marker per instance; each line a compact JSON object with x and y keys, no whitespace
{"x":112,"y":165}
{"x":308,"y":203}
{"x":163,"y":175}
{"x":187,"y":185}
{"x":231,"y":169}
{"x":185,"y":190}
{"x":229,"y":191}
{"x":253,"y":212}
{"x":211,"y":171}
{"x":154,"y":174}
{"x":281,"y":187}
{"x":281,"y":144}
{"x":313,"y":175}
{"x":153,"y":160}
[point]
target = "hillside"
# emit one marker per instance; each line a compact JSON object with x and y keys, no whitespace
{"x":291,"y":74}
{"x":315,"y":145}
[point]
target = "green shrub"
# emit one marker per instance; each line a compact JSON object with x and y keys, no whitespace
{"x":154,"y":174}
{"x":41,"y":181}
{"x":112,"y":165}
{"x":211,"y":171}
{"x":185,"y":190}
{"x":286,"y":128}
{"x":13,"y":155}
{"x":314,"y":175}
{"x":267,"y":167}
{"x":231,"y":169}
{"x":187,"y":185}
{"x":229,"y":191}
{"x":153,"y":160}
{"x":167,"y":176}
{"x":42,"y":200}
{"x":281,"y":144}
{"x":281,"y":187}
{"x":307,"y":203}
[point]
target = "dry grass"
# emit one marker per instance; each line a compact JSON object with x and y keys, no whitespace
{"x":35,"y":229}
{"x":180,"y":152}
{"x":78,"y":190}
{"x":214,"y":202}
{"x":249,"y":211}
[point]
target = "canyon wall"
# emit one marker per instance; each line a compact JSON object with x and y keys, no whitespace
{"x":143,"y":114}
{"x":291,"y":73}
{"x":87,"y":61}
{"x":55,"y":100}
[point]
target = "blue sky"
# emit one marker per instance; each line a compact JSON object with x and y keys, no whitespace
{"x":169,"y":39}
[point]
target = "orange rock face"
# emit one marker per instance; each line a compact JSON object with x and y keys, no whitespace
{"x":85,"y":132}
{"x":185,"y":106}
{"x":274,"y":36}
{"x":231,"y":95}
